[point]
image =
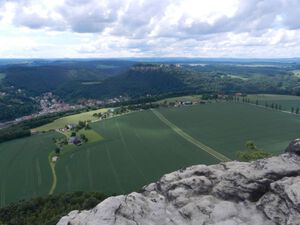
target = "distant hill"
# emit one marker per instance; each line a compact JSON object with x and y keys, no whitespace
{"x":43,"y":77}
{"x":75,"y":79}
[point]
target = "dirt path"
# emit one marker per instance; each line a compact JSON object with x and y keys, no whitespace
{"x":190,"y":139}
{"x":54,"y":177}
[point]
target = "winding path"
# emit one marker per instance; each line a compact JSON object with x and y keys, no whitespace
{"x":54,"y":177}
{"x":190,"y":139}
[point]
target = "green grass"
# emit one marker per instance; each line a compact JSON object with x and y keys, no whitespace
{"x":24,"y":168}
{"x":2,"y":76}
{"x":227,"y":126}
{"x":138,"y":148}
{"x":287,"y":101}
{"x":73,"y":119}
{"x":91,"y":82}
{"x":181,"y":98}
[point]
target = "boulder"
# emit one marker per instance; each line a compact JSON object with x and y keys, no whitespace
{"x":294,"y":147}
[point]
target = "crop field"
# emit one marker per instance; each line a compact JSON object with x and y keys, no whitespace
{"x":286,"y":101}
{"x":62,"y":122}
{"x":132,"y":150}
{"x":137,"y":149}
{"x":2,"y":76}
{"x":24,"y":167}
{"x":227,"y":126}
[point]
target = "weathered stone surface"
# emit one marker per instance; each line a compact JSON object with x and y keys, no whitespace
{"x":263,"y":192}
{"x":294,"y":147}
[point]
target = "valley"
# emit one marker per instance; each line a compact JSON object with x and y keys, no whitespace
{"x":138,"y":147}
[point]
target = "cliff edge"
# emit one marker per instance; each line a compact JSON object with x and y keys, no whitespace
{"x":262,"y":192}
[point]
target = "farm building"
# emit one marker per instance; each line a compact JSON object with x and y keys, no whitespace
{"x":75,"y":140}
{"x":71,"y":126}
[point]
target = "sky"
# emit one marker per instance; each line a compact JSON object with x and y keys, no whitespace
{"x":149,"y":28}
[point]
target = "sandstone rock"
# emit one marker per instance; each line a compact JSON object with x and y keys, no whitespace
{"x":294,"y":147}
{"x":263,"y":192}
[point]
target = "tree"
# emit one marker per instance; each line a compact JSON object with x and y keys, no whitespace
{"x":252,"y":153}
{"x":57,"y":150}
{"x":87,"y":127}
{"x":83,"y":138}
{"x":250,"y":145}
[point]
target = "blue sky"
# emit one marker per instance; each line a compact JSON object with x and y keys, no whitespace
{"x":149,"y":28}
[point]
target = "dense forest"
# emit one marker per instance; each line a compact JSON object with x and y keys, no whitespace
{"x":48,"y":210}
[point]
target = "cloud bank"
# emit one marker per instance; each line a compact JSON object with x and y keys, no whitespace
{"x":118,"y":28}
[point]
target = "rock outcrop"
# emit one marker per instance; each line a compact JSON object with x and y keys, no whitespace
{"x":263,"y":192}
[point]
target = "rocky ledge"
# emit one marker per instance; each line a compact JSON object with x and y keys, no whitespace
{"x":263,"y":192}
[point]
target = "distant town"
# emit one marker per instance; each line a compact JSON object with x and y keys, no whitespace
{"x":49,"y":103}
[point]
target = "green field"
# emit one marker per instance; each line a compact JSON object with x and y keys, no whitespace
{"x":135,"y":149}
{"x":287,"y":101}
{"x":181,"y":98}
{"x":24,"y":167}
{"x":73,"y":119}
{"x":2,"y":76}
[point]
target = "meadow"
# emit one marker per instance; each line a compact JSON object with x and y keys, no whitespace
{"x":72,"y":119}
{"x":286,"y":101}
{"x":137,"y":148}
{"x":2,"y":76}
{"x":181,"y":98}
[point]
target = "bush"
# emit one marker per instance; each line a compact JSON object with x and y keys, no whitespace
{"x":252,"y":153}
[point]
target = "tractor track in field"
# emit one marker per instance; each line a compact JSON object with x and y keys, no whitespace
{"x":116,"y":176}
{"x":190,"y":139}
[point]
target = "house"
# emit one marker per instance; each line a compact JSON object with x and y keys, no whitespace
{"x":71,"y":126}
{"x":188,"y":103}
{"x":75,"y":140}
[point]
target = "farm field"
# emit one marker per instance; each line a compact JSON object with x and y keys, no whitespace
{"x":61,"y":122}
{"x":2,"y":76}
{"x":286,"y":101}
{"x":137,"y":149}
{"x":24,"y":167}
{"x":132,"y":150}
{"x":227,"y":126}
{"x":181,"y":98}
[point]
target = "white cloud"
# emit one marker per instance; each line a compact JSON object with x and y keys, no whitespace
{"x":116,"y":28}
